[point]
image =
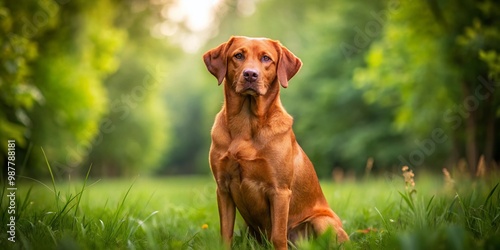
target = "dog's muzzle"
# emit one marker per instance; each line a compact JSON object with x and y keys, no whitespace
{"x":250,"y":82}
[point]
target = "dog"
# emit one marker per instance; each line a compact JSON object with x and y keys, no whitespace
{"x":258,"y":166}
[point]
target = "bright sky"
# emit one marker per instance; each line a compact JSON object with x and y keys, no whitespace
{"x":197,"y":15}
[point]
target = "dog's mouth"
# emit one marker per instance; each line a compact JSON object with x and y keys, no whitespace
{"x":248,"y":88}
{"x":251,"y":92}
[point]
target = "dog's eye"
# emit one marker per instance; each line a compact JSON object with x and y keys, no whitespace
{"x":266,"y":59}
{"x":238,"y":56}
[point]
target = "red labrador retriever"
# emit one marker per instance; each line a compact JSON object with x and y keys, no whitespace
{"x":259,"y":167}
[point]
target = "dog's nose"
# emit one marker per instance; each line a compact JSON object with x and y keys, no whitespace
{"x":250,"y":75}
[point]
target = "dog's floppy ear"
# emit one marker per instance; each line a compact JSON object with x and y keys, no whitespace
{"x":288,"y":65}
{"x":216,"y":60}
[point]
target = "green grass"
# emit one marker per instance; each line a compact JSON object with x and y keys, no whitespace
{"x":170,"y":213}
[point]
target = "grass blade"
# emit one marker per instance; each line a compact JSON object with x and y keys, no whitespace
{"x":24,"y":204}
{"x":490,"y":194}
{"x":383,"y":219}
{"x":52,"y":178}
{"x":408,"y":201}
{"x":450,"y":207}
{"x":428,"y":206}
{"x":83,"y":189}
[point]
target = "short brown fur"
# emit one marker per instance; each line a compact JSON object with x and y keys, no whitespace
{"x":259,"y":167}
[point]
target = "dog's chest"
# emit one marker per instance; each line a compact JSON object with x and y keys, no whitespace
{"x":246,"y":177}
{"x":247,"y":164}
{"x":249,"y":189}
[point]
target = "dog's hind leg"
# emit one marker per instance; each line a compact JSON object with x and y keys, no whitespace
{"x":321,"y":224}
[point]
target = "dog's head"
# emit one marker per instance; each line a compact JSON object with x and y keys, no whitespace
{"x":251,"y":65}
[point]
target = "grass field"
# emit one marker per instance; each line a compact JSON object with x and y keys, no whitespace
{"x":181,"y":213}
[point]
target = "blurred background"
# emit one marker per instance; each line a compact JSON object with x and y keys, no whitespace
{"x":121,"y":86}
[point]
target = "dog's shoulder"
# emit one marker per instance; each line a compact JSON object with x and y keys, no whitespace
{"x":220,"y":131}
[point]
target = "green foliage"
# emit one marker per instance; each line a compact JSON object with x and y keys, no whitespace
{"x":107,"y":83}
{"x":186,"y":96}
{"x":135,"y":107}
{"x":430,"y":58}
{"x":72,"y":60}
{"x":17,"y":92}
{"x":69,"y":69}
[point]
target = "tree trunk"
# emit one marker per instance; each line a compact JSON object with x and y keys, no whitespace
{"x":490,"y":135}
{"x":470,"y":135}
{"x":471,"y":144}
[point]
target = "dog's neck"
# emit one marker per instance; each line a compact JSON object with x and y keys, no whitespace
{"x":257,"y":106}
{"x":247,"y":113}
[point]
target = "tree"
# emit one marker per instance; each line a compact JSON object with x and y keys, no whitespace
{"x":430,"y":63}
{"x":134,"y":135}
{"x":19,"y":46}
{"x":74,"y":60}
{"x":58,"y":92}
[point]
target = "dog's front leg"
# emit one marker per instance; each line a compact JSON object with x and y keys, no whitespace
{"x":227,"y":213}
{"x":280,"y":203}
